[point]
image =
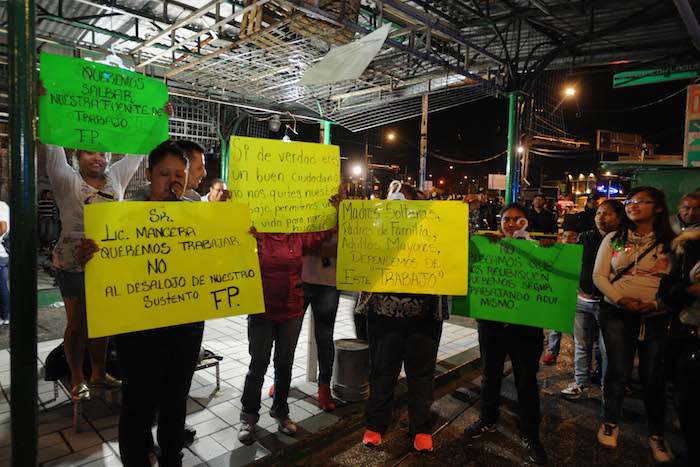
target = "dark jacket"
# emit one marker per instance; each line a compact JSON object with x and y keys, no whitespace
{"x":280,"y":266}
{"x":686,"y":254}
{"x":591,"y":240}
{"x":545,"y":221}
{"x":586,"y":219}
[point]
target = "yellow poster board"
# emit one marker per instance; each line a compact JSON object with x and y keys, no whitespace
{"x":167,"y":263}
{"x":286,"y":185}
{"x":403,"y":247}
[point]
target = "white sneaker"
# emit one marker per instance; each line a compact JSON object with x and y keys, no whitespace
{"x":286,"y":426}
{"x":5,"y":322}
{"x":574,"y":391}
{"x":607,"y":434}
{"x":660,"y":449}
{"x":245,"y":433}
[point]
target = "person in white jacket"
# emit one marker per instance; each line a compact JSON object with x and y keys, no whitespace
{"x":629,"y":267}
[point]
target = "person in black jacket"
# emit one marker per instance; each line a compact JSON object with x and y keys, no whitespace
{"x":586,"y":329}
{"x":542,"y":219}
{"x":586,"y":218}
{"x":680,"y":291}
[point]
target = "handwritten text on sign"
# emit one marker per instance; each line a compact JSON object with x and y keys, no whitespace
{"x":403,"y":246}
{"x":521,"y":282}
{"x":97,"y":107}
{"x":162,"y":264}
{"x":286,"y":185}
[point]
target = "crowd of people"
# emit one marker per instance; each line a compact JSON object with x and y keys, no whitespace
{"x":639,"y":293}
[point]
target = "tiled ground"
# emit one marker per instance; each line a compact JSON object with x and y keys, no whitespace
{"x":213,"y":415}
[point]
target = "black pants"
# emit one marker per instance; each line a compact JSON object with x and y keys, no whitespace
{"x":621,"y":334}
{"x":157,"y":368}
{"x":324,"y":305}
{"x":524,"y":345}
{"x":413,"y":342}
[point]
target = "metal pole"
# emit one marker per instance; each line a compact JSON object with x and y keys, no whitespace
{"x":513,"y":139}
{"x":423,"y":143}
{"x":23,"y":307}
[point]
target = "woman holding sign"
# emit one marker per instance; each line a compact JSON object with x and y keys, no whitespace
{"x":157,"y":365}
{"x":402,"y":329}
{"x":524,"y":345}
{"x":630,"y":265}
{"x":280,"y":267}
{"x":89,"y":181}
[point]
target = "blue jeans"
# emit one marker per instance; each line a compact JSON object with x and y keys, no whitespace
{"x":4,"y":293}
{"x":621,"y":330}
{"x":554,"y":342}
{"x":586,"y":333}
{"x":262,"y":332}
{"x":324,"y":305}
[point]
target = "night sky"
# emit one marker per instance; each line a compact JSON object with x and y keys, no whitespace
{"x":479,"y":129}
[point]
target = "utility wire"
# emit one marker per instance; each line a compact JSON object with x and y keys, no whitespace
{"x":639,"y":106}
{"x":457,"y":161}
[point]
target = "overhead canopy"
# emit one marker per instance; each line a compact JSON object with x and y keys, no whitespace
{"x":255,"y":52}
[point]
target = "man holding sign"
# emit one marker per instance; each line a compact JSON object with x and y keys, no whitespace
{"x":159,"y":300}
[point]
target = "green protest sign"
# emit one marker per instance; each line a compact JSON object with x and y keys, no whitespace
{"x":98,"y":107}
{"x":521,"y":282}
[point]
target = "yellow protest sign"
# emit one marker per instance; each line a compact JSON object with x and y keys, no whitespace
{"x":286,"y":185}
{"x":403,"y":247}
{"x":167,"y":263}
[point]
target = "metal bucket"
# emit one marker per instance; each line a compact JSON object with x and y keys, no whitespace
{"x":351,"y":370}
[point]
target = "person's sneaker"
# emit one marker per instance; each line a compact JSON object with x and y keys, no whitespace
{"x":325,"y":399}
{"x":574,"y":391}
{"x":549,"y":359}
{"x":190,"y":433}
{"x":272,"y":391}
{"x":245,"y":433}
{"x":534,"y":449}
{"x":6,"y":322}
{"x":286,"y":426}
{"x":423,"y":442}
{"x":607,"y":434}
{"x":660,"y":449}
{"x":371,"y":438}
{"x":478,"y":428}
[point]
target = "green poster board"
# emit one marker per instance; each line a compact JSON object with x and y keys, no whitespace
{"x":675,"y":182}
{"x":98,"y":107}
{"x":521,"y":282}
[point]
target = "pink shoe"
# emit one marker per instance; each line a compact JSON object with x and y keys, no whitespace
{"x":423,"y":442}
{"x":549,"y":359}
{"x":372,"y":438}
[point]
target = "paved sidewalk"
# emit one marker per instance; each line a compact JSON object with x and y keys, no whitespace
{"x":214,"y":415}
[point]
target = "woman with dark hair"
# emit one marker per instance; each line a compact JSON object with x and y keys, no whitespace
{"x":524,"y":344}
{"x":157,"y":365}
{"x":402,"y":329}
{"x":628,"y":270}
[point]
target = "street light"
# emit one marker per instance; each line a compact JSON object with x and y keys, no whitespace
{"x":357,"y":170}
{"x":520,"y":149}
{"x":390,"y":136}
{"x":570,"y":91}
{"x":452,"y":167}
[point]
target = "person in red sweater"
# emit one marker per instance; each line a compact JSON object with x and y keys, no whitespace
{"x":280,"y":267}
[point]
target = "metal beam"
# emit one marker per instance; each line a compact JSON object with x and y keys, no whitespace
{"x":229,"y":47}
{"x":201,"y":33}
{"x":23,"y":235}
{"x":108,"y":32}
{"x":405,"y":10}
{"x":187,"y":20}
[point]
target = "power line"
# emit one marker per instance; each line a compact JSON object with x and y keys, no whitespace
{"x":457,"y":161}
{"x":639,"y":106}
